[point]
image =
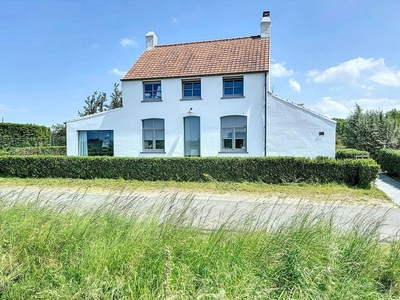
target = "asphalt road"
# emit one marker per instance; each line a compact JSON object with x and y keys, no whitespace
{"x":210,"y":211}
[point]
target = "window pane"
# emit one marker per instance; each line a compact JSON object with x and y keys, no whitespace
{"x":159,"y":134}
{"x":227,"y":121}
{"x":239,"y":144}
{"x":196,"y":86}
{"x":187,"y":93}
{"x":227,"y":133}
{"x":238,"y":83}
{"x":240,"y":121}
{"x":148,"y":87}
{"x":148,"y":135}
{"x":227,"y":143}
{"x":148,"y":123}
{"x":196,"y":93}
{"x":228,"y":83}
{"x":158,"y":123}
{"x":148,"y":144}
{"x":160,"y":144}
{"x":228,"y":91}
{"x":238,"y":91}
{"x":187,"y":85}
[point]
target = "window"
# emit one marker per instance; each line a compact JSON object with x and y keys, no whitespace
{"x":152,"y":91}
{"x":96,"y":143}
{"x":191,"y":89}
{"x":153,"y":135}
{"x":234,"y":133}
{"x":233,"y":87}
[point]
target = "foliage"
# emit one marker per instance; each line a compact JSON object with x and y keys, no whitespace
{"x":340,"y":123}
{"x":94,"y":104}
{"x":116,"y":97}
{"x":59,"y":135}
{"x":98,"y":102}
{"x":370,"y":130}
{"x":348,"y":153}
{"x":390,"y":161}
{"x":23,"y":135}
{"x":53,"y":150}
{"x":255,"y":169}
{"x":119,"y":254}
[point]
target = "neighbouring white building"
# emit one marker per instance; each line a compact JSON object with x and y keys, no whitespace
{"x":206,"y":98}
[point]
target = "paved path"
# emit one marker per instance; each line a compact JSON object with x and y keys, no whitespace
{"x":389,"y":186}
{"x":210,"y":211}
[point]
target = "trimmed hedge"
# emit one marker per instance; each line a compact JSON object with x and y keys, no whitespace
{"x":390,"y":161}
{"x":273,"y":170}
{"x":349,"y":153}
{"x":54,"y":150}
{"x":23,"y":135}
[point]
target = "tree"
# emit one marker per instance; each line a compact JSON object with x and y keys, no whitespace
{"x":116,"y":97}
{"x":370,"y":130}
{"x":59,"y":134}
{"x":94,"y":104}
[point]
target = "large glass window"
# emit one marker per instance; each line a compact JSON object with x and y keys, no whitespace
{"x":153,"y":135}
{"x":96,"y":143}
{"x":152,"y":91}
{"x":234,"y":133}
{"x":191,"y":89}
{"x":233,"y":87}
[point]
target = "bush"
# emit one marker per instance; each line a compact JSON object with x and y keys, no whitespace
{"x":390,"y":161}
{"x":23,"y":135}
{"x":272,"y":170}
{"x":350,"y":153}
{"x":56,"y":150}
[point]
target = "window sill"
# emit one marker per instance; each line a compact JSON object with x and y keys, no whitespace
{"x":190,"y":99}
{"x":233,"y":152}
{"x":152,"y":100}
{"x":153,"y":152}
{"x":232,"y":97}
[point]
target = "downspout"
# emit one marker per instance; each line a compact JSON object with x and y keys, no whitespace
{"x":265,"y":111}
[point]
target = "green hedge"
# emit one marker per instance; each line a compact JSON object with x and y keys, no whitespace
{"x":349,"y":153}
{"x":24,"y":135}
{"x":390,"y":161}
{"x":257,"y":169}
{"x":55,"y":150}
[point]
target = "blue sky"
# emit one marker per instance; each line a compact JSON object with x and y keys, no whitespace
{"x":325,"y":54}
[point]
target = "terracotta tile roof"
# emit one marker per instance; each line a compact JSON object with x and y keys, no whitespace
{"x":229,"y":56}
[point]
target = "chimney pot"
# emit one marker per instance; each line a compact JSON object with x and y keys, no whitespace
{"x":266,"y":13}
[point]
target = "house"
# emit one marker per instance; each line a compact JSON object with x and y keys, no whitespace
{"x":208,"y":98}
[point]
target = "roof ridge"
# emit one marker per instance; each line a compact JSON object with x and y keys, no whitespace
{"x":210,"y":41}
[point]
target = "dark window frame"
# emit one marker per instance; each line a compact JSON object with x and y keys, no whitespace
{"x":152,"y":91}
{"x":233,"y":87}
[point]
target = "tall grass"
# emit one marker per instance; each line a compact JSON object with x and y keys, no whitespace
{"x":117,"y":252}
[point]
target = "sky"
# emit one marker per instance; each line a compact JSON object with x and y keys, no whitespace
{"x":325,"y":54}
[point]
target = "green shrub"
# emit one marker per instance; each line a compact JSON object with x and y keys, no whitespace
{"x":272,"y":170}
{"x":24,"y":135}
{"x":55,"y":150}
{"x":350,"y":153}
{"x":390,"y":161}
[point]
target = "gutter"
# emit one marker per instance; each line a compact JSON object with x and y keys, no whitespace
{"x":265,"y":110}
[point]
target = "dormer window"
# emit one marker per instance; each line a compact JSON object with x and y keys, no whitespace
{"x":233,"y":87}
{"x":152,"y":91}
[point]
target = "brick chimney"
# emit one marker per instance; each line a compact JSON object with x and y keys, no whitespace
{"x":266,"y":25}
{"x":151,"y":40}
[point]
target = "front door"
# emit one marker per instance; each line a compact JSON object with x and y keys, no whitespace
{"x":192,"y":136}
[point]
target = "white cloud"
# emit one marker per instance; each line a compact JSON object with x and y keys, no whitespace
{"x":332,"y":108}
{"x":358,"y":71}
{"x":279,"y":70}
{"x":347,"y":72}
{"x":118,"y":72}
{"x":295,"y":85}
{"x":174,"y":20}
{"x":387,"y":76}
{"x":129,"y":42}
{"x":384,"y":104}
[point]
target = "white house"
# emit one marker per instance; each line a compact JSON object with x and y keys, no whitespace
{"x":206,"y":98}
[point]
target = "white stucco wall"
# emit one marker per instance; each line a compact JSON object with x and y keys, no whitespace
{"x":127,"y":121}
{"x":291,"y":130}
{"x":295,"y":131}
